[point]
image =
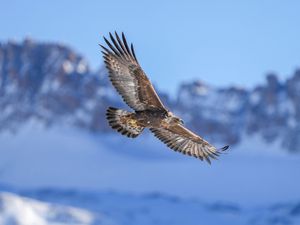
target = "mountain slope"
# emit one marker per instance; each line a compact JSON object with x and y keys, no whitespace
{"x":95,"y":208}
{"x":229,"y":114}
{"x":52,"y":84}
{"x":24,"y":211}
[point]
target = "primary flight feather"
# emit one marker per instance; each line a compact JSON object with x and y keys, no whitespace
{"x":139,"y":94}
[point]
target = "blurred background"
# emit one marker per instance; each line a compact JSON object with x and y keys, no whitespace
{"x":229,"y":69}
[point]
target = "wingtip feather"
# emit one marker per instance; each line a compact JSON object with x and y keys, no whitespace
{"x":225,"y":148}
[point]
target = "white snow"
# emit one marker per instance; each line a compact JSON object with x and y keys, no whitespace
{"x":255,"y":98}
{"x":113,"y":208}
{"x":24,"y":211}
{"x":53,"y":63}
{"x":202,"y":90}
{"x":68,"y":67}
{"x":82,"y":67}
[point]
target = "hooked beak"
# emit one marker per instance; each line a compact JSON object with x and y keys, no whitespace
{"x":181,"y":121}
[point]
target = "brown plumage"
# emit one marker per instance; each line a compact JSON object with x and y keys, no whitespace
{"x":137,"y":91}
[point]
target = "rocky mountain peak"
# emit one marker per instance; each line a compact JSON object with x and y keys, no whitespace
{"x":52,"y":84}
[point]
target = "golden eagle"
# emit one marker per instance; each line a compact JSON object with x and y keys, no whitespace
{"x":137,"y":91}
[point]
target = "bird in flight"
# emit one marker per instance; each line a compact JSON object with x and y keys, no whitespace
{"x":138,"y":93}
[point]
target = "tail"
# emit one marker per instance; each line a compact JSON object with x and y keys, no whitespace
{"x":124,"y":122}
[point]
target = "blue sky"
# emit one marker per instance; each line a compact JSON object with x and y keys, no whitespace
{"x":219,"y":42}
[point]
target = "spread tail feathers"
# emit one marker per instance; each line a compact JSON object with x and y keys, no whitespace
{"x":124,"y":122}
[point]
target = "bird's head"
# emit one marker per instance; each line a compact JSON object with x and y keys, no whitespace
{"x":174,"y":119}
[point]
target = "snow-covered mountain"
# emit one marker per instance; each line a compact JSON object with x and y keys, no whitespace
{"x":53,"y":84}
{"x":271,"y":110}
{"x":49,"y":83}
{"x":123,"y":181}
{"x":110,"y":208}
{"x":17,"y":210}
{"x":64,"y":165}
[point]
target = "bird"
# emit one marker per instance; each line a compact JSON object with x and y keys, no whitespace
{"x":135,"y":88}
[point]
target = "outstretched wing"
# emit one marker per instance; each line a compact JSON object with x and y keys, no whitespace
{"x":127,"y":76}
{"x":183,"y":140}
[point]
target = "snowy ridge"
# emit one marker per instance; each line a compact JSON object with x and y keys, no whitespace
{"x":19,"y":210}
{"x":52,"y":113}
{"x":64,"y":207}
{"x":52,"y":84}
{"x":230,"y":115}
